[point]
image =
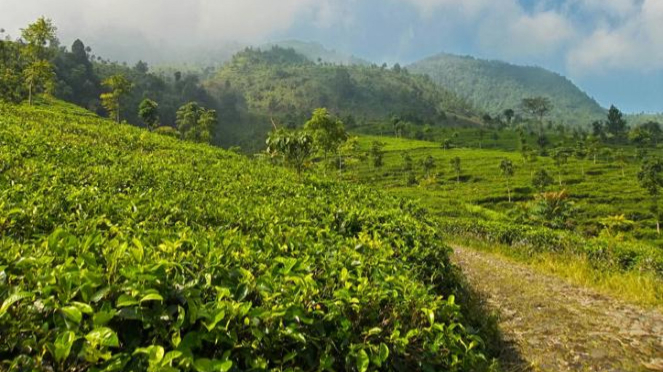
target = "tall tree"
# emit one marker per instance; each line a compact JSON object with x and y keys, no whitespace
{"x":537,"y":107}
{"x":208,"y":121}
{"x":120,"y":86}
{"x":39,"y":36}
{"x":187,"y":118}
{"x":507,"y":169}
{"x":294,"y":147}
{"x":148,"y":111}
{"x":328,"y":132}
{"x":39,"y":76}
{"x":196,"y":123}
{"x":650,"y":178}
{"x":616,"y":125}
{"x":509,"y":114}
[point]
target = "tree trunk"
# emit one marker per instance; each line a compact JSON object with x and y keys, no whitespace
{"x":30,"y":94}
{"x":508,"y":190}
{"x":560,"y":178}
{"x":623,"y":175}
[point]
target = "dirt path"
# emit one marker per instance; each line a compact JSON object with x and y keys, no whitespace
{"x":556,"y":326}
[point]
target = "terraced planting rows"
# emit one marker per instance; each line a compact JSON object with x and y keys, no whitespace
{"x":122,"y":250}
{"x":609,"y":221}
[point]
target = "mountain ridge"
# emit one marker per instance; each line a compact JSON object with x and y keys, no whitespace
{"x":494,"y":86}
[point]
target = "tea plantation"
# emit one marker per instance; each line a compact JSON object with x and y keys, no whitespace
{"x":602,"y":216}
{"x":123,"y":250}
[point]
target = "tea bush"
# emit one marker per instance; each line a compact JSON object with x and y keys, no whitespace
{"x":603,"y":252}
{"x":123,"y":250}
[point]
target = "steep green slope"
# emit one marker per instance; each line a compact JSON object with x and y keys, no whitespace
{"x":494,"y":86}
{"x":122,"y":250}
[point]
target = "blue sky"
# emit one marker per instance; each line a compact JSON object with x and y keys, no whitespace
{"x":613,"y":49}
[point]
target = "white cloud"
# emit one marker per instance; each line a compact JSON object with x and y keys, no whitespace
{"x":519,"y":35}
{"x":208,"y":20}
{"x":466,"y":8}
{"x":635,"y":44}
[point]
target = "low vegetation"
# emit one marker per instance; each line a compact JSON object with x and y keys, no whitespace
{"x":124,"y":250}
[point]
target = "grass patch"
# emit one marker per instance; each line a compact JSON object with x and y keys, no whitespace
{"x":641,"y":288}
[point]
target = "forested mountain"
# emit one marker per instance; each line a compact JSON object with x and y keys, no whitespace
{"x":281,"y":84}
{"x":495,"y":86}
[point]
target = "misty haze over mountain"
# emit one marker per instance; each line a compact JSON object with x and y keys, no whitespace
{"x":612,"y":49}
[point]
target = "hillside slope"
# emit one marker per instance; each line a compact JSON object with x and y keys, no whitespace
{"x":494,"y":86}
{"x":285,"y":85}
{"x":122,"y":250}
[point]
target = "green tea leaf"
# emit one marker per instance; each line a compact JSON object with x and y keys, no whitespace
{"x":125,"y":301}
{"x":383,"y":352}
{"x":103,"y":337}
{"x":218,"y":316}
{"x":362,"y":361}
{"x":63,"y":345}
{"x":12,"y":299}
{"x":72,"y":313}
{"x":152,"y":297}
{"x":207,"y":365}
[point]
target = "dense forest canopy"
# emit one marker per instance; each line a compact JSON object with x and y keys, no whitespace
{"x":495,"y":86}
{"x":281,"y":84}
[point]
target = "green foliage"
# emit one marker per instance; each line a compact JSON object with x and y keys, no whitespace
{"x":494,"y":86}
{"x":328,"y":132}
{"x":38,"y":76}
{"x":377,"y":153}
{"x":456,"y":167}
{"x":120,"y":86}
{"x":196,"y":123}
{"x":39,"y":36}
{"x":123,"y":250}
{"x":616,"y":125}
{"x":650,"y":178}
{"x":148,"y":111}
{"x":408,"y":164}
{"x":538,"y":107}
{"x":542,"y":180}
{"x":283,"y":85}
{"x":508,"y":170}
{"x":428,"y":165}
{"x":293,"y":147}
{"x":552,"y":209}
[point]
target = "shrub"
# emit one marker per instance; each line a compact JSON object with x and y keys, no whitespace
{"x":128,"y":252}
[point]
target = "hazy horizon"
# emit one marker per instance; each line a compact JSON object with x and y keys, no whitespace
{"x":613,"y":50}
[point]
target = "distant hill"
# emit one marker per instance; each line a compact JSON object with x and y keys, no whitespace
{"x":493,"y":86}
{"x":636,"y":119}
{"x":316,"y":52}
{"x":282,"y":84}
